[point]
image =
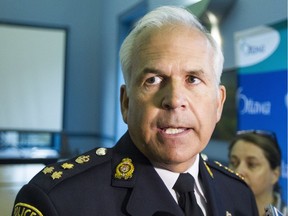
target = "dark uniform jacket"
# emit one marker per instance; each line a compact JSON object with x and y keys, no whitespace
{"x":121,"y":181}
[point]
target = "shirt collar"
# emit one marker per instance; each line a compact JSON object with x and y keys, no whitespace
{"x":169,"y":178}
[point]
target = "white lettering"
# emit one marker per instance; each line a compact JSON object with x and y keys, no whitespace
{"x":253,"y":107}
{"x":253,"y":50}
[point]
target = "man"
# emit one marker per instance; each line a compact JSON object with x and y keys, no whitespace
{"x":171,"y":102}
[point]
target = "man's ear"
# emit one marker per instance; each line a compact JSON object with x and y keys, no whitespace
{"x":124,"y":101}
{"x":221,"y":100}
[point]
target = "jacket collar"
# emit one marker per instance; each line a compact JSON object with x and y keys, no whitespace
{"x":212,"y":194}
{"x":149,"y":195}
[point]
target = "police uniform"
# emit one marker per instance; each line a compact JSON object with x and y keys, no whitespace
{"x":121,"y":181}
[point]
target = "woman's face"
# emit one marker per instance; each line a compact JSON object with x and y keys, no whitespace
{"x":249,"y":160}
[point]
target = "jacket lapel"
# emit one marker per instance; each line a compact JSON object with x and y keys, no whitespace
{"x":212,"y":194}
{"x":149,"y":195}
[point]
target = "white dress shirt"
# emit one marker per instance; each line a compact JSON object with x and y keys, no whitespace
{"x":169,"y":178}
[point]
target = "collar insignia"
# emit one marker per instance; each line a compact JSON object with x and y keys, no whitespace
{"x":125,"y":169}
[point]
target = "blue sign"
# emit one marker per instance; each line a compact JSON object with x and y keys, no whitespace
{"x":261,"y":55}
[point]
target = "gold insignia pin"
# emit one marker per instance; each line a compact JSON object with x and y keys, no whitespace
{"x":209,"y":170}
{"x":48,"y":170}
{"x":67,"y":166}
{"x":230,"y":170}
{"x":83,"y":159}
{"x":218,"y":163}
{"x":56,"y":175}
{"x":240,"y":176}
{"x":125,"y":169}
{"x":101,"y":151}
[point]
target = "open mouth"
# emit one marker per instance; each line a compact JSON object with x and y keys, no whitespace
{"x":173,"y":130}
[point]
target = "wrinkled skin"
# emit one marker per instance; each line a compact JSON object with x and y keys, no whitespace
{"x":173,"y":102}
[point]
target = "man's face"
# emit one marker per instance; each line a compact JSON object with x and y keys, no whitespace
{"x":173,"y":102}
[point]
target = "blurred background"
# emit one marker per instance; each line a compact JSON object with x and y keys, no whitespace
{"x":60,"y":77}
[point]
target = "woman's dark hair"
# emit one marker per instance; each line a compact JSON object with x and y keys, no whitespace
{"x":265,"y":140}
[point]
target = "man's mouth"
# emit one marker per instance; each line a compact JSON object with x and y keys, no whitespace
{"x":173,"y":130}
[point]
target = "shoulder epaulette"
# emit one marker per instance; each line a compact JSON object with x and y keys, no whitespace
{"x":53,"y":174}
{"x":226,"y":170}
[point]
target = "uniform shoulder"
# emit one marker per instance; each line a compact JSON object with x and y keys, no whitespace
{"x":53,"y":174}
{"x":218,"y":167}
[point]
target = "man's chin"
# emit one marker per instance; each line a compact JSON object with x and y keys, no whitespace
{"x":172,"y":162}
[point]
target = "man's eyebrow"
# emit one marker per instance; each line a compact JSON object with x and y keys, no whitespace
{"x":152,"y":70}
{"x":146,"y":71}
{"x":157,"y":71}
{"x":196,"y":72}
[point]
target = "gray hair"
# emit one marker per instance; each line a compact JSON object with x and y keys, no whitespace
{"x":163,"y":16}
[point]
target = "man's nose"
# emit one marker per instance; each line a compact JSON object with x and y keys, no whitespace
{"x":175,"y":96}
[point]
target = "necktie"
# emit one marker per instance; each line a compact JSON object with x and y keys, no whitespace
{"x":187,"y":200}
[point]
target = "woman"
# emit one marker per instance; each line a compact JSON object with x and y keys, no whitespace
{"x":256,"y":156}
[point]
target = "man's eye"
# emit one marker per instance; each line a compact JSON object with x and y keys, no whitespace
{"x":153,"y":80}
{"x":193,"y":80}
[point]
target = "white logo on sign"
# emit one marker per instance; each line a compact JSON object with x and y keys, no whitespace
{"x":251,"y":106}
{"x":255,"y":45}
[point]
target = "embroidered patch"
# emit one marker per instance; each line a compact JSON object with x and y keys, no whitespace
{"x":56,"y":175}
{"x":83,"y":159}
{"x":67,"y":166}
{"x":125,"y":169}
{"x":48,"y":170}
{"x":26,"y":209}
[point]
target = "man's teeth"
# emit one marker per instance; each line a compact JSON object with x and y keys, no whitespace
{"x":174,"y":130}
